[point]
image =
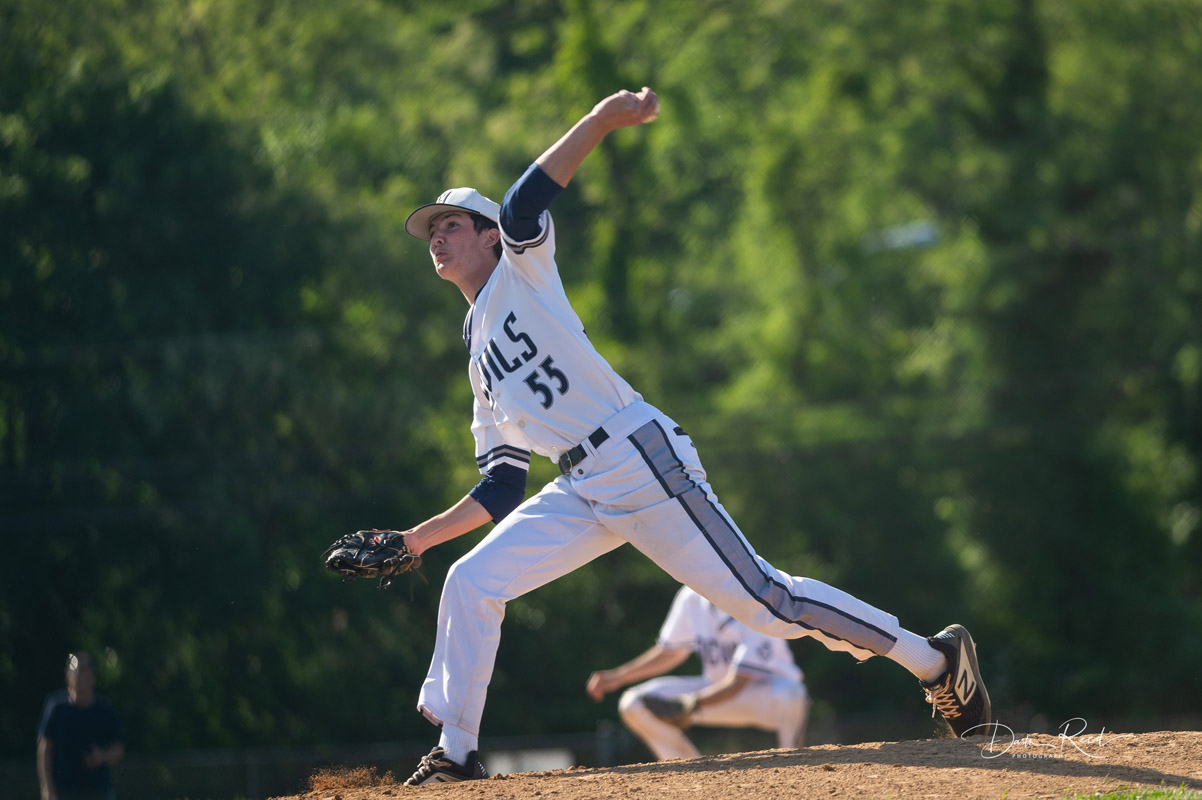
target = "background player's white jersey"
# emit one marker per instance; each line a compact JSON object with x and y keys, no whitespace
{"x":539,"y":383}
{"x":720,"y":640}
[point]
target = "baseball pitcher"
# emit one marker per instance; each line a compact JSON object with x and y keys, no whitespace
{"x":629,"y":472}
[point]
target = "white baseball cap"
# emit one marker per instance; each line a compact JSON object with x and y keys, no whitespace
{"x":464,"y":198}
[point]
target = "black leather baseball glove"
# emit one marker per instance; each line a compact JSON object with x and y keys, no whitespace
{"x":372,"y":554}
{"x":676,"y":710}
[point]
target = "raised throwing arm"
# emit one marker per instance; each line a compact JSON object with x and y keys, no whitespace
{"x":620,"y":110}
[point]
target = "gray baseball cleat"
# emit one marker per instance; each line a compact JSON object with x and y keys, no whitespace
{"x":435,"y":767}
{"x":959,"y":694}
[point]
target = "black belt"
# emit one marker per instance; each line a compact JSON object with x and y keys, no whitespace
{"x":577,"y":454}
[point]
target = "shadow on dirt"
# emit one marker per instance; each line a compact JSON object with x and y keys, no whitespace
{"x":1081,"y":757}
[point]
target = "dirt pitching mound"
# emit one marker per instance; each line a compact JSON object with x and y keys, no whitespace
{"x":1010,"y":766}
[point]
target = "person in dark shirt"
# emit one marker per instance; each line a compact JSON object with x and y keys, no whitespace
{"x":79,"y":738}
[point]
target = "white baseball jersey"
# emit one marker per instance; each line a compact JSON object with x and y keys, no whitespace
{"x":539,"y":383}
{"x":721,"y":641}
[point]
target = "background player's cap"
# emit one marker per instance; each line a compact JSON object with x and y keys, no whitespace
{"x":418,"y":223}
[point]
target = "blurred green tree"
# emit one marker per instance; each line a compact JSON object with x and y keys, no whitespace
{"x":922,"y":283}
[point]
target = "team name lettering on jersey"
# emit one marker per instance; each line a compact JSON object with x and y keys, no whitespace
{"x":715,"y":651}
{"x":497,"y":360}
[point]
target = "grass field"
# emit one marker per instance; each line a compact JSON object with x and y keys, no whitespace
{"x":1154,"y":794}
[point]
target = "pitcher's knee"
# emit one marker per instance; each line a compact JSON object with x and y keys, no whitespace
{"x":469,"y":579}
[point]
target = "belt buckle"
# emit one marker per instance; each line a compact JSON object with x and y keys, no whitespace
{"x":571,"y":458}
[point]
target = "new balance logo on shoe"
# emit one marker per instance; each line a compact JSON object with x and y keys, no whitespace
{"x":966,"y":685}
{"x":959,"y":694}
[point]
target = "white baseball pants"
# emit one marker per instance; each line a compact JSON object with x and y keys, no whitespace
{"x":645,"y":485}
{"x":772,"y":703}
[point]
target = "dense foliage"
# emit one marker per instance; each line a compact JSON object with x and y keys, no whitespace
{"x":924,"y":282}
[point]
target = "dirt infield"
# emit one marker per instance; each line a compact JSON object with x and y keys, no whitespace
{"x":1010,"y":766}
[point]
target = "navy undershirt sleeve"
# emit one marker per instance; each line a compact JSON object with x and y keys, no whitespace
{"x":525,"y":202}
{"x":501,"y":490}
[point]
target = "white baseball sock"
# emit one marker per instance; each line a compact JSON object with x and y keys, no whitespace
{"x":915,"y":653}
{"x":457,"y":742}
